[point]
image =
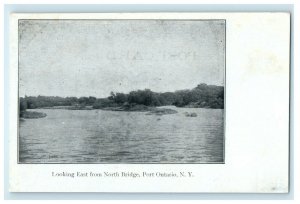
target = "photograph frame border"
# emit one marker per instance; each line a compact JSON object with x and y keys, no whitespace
{"x":124,"y":19}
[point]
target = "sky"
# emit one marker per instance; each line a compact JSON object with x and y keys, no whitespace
{"x":95,"y":57}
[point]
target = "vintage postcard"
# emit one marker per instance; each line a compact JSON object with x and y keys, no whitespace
{"x":149,"y":102}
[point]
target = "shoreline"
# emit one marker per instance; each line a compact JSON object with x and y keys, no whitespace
{"x":32,"y":115}
{"x":134,"y":108}
{"x":69,"y":107}
{"x":149,"y":110}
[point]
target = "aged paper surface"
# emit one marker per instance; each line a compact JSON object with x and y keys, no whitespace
{"x":149,"y":102}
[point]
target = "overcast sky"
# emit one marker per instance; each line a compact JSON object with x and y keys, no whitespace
{"x":95,"y":57}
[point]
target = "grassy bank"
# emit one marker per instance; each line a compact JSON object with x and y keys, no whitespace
{"x":137,"y":108}
{"x":129,"y":108}
{"x":70,"y":107}
{"x":32,"y":115}
{"x":142,"y":108}
{"x":161,"y":111}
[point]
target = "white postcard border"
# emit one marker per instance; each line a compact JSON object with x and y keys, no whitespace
{"x":257,"y":117}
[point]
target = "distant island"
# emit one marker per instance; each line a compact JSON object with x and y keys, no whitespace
{"x":202,"y":96}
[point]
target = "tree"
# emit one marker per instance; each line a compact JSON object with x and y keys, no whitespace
{"x":112,"y":96}
{"x":23,"y":104}
{"x":83,"y":100}
{"x":120,"y":98}
{"x":91,"y":100}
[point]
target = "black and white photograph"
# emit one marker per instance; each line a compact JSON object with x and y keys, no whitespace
{"x":142,"y":91}
{"x":149,"y":102}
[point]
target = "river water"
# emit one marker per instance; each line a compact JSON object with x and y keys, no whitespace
{"x":97,"y":136}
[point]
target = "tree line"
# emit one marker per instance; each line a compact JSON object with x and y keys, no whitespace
{"x":202,"y":96}
{"x":32,"y":102}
